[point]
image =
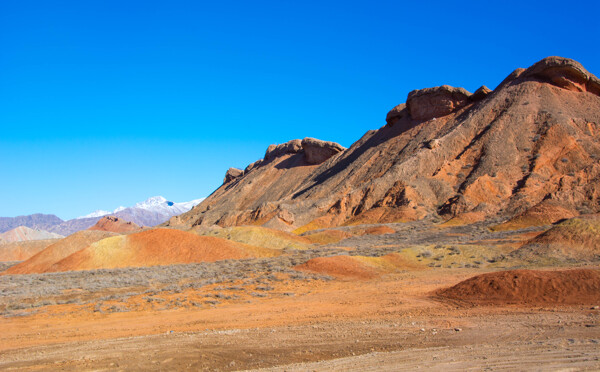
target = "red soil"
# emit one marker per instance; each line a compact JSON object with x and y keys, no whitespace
{"x":528,"y":287}
{"x":338,"y":266}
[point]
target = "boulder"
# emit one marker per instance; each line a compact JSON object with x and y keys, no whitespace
{"x":290,"y":147}
{"x":232,"y":174}
{"x":317,"y":151}
{"x":429,"y":103}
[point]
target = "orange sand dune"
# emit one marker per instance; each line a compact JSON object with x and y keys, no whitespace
{"x":42,"y":261}
{"x":157,"y":247}
{"x":358,"y":267}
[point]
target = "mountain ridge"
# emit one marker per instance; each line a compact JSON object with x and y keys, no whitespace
{"x":150,"y":212}
{"x":445,"y":154}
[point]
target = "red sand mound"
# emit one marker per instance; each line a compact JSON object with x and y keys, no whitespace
{"x":115,"y":224}
{"x":529,"y":287}
{"x":157,"y":247}
{"x":41,"y":262}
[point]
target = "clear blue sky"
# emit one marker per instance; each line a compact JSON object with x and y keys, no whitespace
{"x":105,"y":103}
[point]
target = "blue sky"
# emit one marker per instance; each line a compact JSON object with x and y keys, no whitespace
{"x":105,"y":103}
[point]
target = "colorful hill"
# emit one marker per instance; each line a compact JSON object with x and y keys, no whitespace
{"x":576,"y":239}
{"x":157,"y":247}
{"x":21,"y":251}
{"x":259,"y":236}
{"x":41,"y":262}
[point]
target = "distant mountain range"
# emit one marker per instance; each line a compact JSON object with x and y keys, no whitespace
{"x":150,"y":212}
{"x":24,"y":233}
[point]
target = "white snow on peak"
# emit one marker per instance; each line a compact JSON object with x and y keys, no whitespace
{"x":98,"y":213}
{"x":153,"y":202}
{"x":159,"y":204}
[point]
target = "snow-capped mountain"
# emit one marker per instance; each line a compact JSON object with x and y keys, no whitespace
{"x":156,"y":204}
{"x":98,"y":213}
{"x":150,"y":212}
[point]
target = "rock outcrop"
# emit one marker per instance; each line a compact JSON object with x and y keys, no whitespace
{"x":395,"y":114}
{"x":115,"y":224}
{"x":480,"y":93}
{"x":528,"y":143}
{"x":232,"y":174}
{"x":317,"y":151}
{"x":429,"y":103}
{"x":290,"y":147}
{"x":565,"y":73}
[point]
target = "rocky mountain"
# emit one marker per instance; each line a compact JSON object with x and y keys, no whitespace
{"x":24,"y":233}
{"x":530,"y":145}
{"x":150,"y":212}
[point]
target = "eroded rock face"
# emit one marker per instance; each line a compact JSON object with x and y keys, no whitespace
{"x":396,"y":114}
{"x":429,"y":103}
{"x":565,"y":73}
{"x":481,"y":93}
{"x":317,"y":151}
{"x":290,"y":147}
{"x":232,"y":174}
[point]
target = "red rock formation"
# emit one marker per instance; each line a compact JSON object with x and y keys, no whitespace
{"x":115,"y":224}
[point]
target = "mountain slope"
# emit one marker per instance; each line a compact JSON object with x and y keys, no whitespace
{"x":33,"y":221}
{"x":533,"y":141}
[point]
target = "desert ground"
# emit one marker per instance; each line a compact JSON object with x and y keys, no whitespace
{"x":367,"y":297}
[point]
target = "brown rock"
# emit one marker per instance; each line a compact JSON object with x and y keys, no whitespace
{"x":254,"y":165}
{"x":396,"y":114}
{"x":317,"y":151}
{"x":290,"y":147}
{"x":481,"y":93}
{"x":429,"y":103}
{"x":232,"y":174}
{"x":564,"y":73}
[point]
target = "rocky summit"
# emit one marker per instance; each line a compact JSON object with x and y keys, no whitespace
{"x":530,"y":144}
